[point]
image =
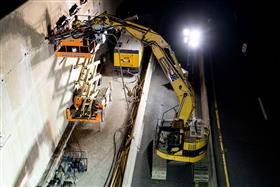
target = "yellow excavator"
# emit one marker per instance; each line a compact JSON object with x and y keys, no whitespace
{"x":185,"y":138}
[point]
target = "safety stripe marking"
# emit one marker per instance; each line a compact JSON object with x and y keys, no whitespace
{"x":221,"y":145}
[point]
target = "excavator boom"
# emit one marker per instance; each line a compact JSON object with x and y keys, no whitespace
{"x":182,"y":139}
{"x":185,"y":138}
{"x":165,"y":56}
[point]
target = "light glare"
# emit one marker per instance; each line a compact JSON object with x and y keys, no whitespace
{"x":192,"y":37}
{"x":186,"y":32}
{"x":196,"y":34}
{"x":186,"y":39}
{"x":194,"y":43}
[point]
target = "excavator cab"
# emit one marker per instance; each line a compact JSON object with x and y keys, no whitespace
{"x":169,"y":140}
{"x":75,"y":48}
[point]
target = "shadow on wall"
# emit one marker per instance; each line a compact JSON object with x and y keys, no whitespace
{"x":43,"y":52}
{"x":57,"y":74}
{"x":61,"y":89}
{"x":45,"y":136}
{"x":15,"y":25}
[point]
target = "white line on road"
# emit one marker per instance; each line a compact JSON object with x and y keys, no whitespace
{"x":262,"y":108}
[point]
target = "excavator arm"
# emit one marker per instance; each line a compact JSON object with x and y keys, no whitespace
{"x":165,"y":56}
{"x":183,"y":139}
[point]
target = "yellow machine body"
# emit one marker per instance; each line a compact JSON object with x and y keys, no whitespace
{"x":128,"y":52}
{"x":177,"y":141}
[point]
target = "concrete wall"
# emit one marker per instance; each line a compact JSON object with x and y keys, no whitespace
{"x":35,"y":89}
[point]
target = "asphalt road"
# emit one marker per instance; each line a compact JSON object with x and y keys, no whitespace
{"x":249,"y":134}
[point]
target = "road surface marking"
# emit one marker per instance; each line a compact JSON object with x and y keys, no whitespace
{"x":219,"y":127}
{"x":221,"y":143}
{"x":262,"y":108}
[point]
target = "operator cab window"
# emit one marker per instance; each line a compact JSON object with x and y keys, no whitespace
{"x":62,"y":49}
{"x":72,"y":49}
{"x":84,"y":50}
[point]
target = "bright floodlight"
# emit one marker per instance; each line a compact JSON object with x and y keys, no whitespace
{"x":192,"y":37}
{"x":186,"y":32}
{"x":195,"y":37}
{"x":193,"y":43}
{"x":186,"y":39}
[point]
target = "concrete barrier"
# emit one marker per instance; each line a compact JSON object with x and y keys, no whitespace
{"x":205,"y":116}
{"x":138,"y":126}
